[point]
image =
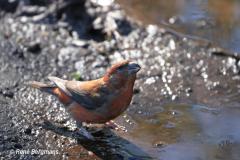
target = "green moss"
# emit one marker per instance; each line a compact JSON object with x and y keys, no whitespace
{"x":76,"y":76}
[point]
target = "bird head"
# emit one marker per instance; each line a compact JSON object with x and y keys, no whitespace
{"x":122,"y":72}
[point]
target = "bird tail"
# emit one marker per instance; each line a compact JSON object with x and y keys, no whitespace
{"x":42,"y":86}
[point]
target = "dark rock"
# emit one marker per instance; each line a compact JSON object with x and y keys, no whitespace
{"x":136,"y":91}
{"x":17,"y":146}
{"x":8,"y":5}
{"x":222,"y":52}
{"x":13,"y":139}
{"x":34,"y":47}
{"x":189,"y":90}
{"x":159,"y":144}
{"x":40,"y":3}
{"x":8,"y":93}
{"x":18,"y":52}
{"x":28,"y":131}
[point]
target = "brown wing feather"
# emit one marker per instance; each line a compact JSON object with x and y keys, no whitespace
{"x":90,"y":94}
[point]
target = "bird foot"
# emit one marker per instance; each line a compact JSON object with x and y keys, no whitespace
{"x":82,"y":131}
{"x":113,"y":125}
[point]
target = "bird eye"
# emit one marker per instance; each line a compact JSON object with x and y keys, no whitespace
{"x":121,"y":67}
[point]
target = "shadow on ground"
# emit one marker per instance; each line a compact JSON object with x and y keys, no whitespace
{"x":105,"y":145}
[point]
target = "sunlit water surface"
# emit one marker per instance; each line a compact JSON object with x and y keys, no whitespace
{"x":182,"y":132}
{"x":215,"y":20}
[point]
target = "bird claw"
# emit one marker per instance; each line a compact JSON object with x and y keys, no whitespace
{"x":82,"y":131}
{"x":113,"y":125}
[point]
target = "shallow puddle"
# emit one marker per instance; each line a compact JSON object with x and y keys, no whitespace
{"x":182,"y":132}
{"x":216,"y":20}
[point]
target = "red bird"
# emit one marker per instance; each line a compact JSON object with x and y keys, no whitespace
{"x":95,"y":101}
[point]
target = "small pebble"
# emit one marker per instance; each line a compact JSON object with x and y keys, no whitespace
{"x":90,"y":153}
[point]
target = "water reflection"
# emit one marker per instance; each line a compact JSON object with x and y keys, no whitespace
{"x":191,"y":132}
{"x":209,"y":19}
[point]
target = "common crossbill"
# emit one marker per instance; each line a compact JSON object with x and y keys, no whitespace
{"x":95,"y":101}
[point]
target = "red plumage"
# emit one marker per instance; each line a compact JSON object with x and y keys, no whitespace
{"x":96,"y":101}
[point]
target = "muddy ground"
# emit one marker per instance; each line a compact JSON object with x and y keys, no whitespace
{"x":187,"y":93}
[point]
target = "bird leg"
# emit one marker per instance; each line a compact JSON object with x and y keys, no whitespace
{"x":113,"y":125}
{"x":81,"y":130}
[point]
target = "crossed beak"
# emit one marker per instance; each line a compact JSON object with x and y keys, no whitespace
{"x":133,"y":68}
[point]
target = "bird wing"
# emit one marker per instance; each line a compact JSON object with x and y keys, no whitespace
{"x":90,"y":94}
